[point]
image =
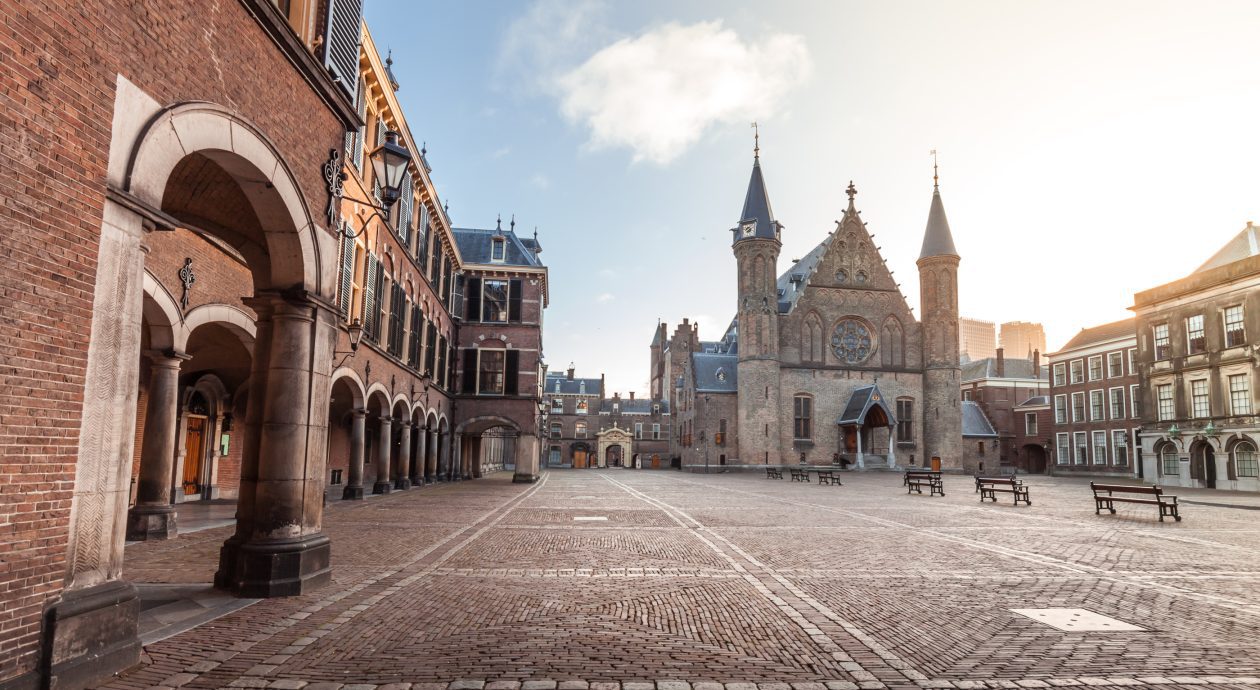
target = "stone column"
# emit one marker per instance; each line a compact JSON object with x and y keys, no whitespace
{"x":431,"y":472}
{"x":526,"y":456}
{"x":403,"y":482}
{"x":153,"y":516}
{"x":354,"y":485}
{"x":417,"y":463}
{"x":861,"y":463}
{"x":384,"y":442}
{"x":448,"y":450}
{"x":892,"y":447}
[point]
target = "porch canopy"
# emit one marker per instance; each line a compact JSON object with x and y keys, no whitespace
{"x":867,"y":410}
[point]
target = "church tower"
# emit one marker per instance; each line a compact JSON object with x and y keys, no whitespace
{"x":938,"y":303}
{"x":756,"y":245}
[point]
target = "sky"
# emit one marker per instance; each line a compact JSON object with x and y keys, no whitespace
{"x":1087,"y":150}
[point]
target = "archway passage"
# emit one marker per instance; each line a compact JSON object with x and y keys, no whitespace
{"x":347,"y":433}
{"x":1203,"y":464}
{"x":487,"y":441}
{"x":1033,"y":459}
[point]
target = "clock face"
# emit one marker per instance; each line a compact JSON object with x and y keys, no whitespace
{"x":748,"y":229}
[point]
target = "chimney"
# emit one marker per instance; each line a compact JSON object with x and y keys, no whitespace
{"x":632,"y":396}
{"x":1037,"y":363}
{"x":1001,"y":363}
{"x":570,"y":371}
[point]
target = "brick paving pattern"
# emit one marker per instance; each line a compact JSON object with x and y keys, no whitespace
{"x":732,"y":582}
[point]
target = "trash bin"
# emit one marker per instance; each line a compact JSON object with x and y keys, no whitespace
{"x":936,"y":463}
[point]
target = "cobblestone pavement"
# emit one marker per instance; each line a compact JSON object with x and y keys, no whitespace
{"x":625,"y":580}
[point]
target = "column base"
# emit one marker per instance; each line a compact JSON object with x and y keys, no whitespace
{"x":402,"y":483}
{"x":151,"y":523}
{"x":417,"y":482}
{"x":382,"y":487}
{"x":523,"y":478}
{"x":281,"y":568}
{"x":91,"y":634}
{"x":352,"y":493}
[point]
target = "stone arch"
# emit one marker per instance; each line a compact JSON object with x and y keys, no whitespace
{"x":398,"y":401}
{"x":162,"y":315}
{"x":353,"y":382}
{"x":289,"y":254}
{"x":226,"y":315}
{"x":378,"y":396}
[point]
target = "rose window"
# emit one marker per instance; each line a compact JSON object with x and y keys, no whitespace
{"x":851,"y":342}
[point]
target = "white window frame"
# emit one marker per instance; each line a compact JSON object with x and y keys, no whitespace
{"x":1111,"y":401}
{"x":1225,"y":325}
{"x":1117,"y":435}
{"x":579,"y":429}
{"x":1097,"y":434}
{"x":638,"y":430}
{"x":1030,"y":424}
{"x":1206,"y":410}
{"x":656,"y":432}
{"x":1080,"y":448}
{"x":498,"y":250}
{"x":1060,"y":374}
{"x":1076,"y":371}
{"x":1255,"y":461}
{"x":1084,"y":410}
{"x":1160,"y":400}
{"x":1133,"y":401}
{"x":1062,"y":448}
{"x":1119,"y":357}
{"x":1155,"y":338}
{"x":1061,"y":409}
{"x":1132,"y":352}
{"x":1090,"y":368}
{"x":1229,"y":382}
{"x":1202,"y":331}
{"x":1101,"y":408}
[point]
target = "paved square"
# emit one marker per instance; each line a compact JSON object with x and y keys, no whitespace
{"x":735,"y":579}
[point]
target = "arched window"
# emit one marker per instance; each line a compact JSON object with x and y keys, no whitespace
{"x":891,"y":345}
{"x":1169,"y":465}
{"x":557,"y":430}
{"x":811,"y":339}
{"x":1245,"y":462}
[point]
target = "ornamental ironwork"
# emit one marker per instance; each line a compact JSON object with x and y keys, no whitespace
{"x":851,"y":341}
{"x":187,"y":277}
{"x":334,"y":176}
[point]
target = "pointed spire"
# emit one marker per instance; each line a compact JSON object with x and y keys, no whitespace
{"x":513,"y":224}
{"x":937,"y":239}
{"x":757,"y":213}
{"x":756,"y":142}
{"x":498,"y":222}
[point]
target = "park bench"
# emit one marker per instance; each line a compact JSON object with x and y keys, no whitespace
{"x":915,"y":480}
{"x":1105,"y":497}
{"x":991,"y":486}
{"x":800,"y":476}
{"x":774,"y":473}
{"x":828,"y":477}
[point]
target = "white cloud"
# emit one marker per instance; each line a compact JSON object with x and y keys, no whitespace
{"x":604,"y":297}
{"x":540,"y":181}
{"x":550,"y":37}
{"x":657,"y":93}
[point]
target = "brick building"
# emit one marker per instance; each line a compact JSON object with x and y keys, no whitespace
{"x":998,"y":385}
{"x":186,"y":300}
{"x":1096,"y":402}
{"x":826,"y":363}
{"x":579,"y":412}
{"x":977,"y":339}
{"x":1196,"y":352}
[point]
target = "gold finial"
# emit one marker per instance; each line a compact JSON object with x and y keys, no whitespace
{"x":936,"y":181}
{"x":756,"y":141}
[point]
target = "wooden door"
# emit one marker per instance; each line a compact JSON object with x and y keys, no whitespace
{"x":579,"y":459}
{"x":656,"y":462}
{"x":194,"y":450}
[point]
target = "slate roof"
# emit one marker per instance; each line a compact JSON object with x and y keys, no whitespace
{"x":1245,"y":244}
{"x":861,"y":400}
{"x":705,"y":367}
{"x":757,"y":207}
{"x":1035,"y":401}
{"x":789,"y":291}
{"x":937,"y":239}
{"x":1014,"y":369}
{"x":572,"y":386}
{"x":474,"y":246}
{"x":1103,"y":333}
{"x":974,"y":423}
{"x":636,"y":406}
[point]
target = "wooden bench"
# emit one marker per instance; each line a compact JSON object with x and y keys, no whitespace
{"x":828,"y":477}
{"x":990,"y":486}
{"x":915,"y":480}
{"x":800,"y":476}
{"x":774,"y":473}
{"x":1104,"y":497}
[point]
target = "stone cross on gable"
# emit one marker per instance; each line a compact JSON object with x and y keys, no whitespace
{"x":851,"y":191}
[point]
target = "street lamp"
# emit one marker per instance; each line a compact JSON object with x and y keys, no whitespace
{"x":389,"y":167}
{"x":356,"y":335}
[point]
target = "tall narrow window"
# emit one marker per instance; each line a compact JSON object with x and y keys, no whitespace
{"x":1196,"y":341}
{"x":1169,"y":460}
{"x":1199,"y":403}
{"x":1120,"y":447}
{"x":579,"y":429}
{"x":1135,"y":409}
{"x":1117,"y":402}
{"x":1096,"y":409}
{"x":638,"y":429}
{"x":1060,"y":374}
{"x":802,"y":413}
{"x":1239,"y":394}
{"x":498,"y":249}
{"x":1095,"y":368}
{"x":1030,"y":423}
{"x":494,"y":301}
{"x":656,"y":432}
{"x":1078,"y":407}
{"x":1060,"y":409}
{"x":557,"y":429}
{"x":1245,"y":463}
{"x":1100,"y":447}
{"x":1062,"y":449}
{"x":1235,"y":333}
{"x":1115,"y":364}
{"x":1164,"y":398}
{"x":1162,"y":349}
{"x":1078,"y":370}
{"x":1081,"y":456}
{"x":905,"y":420}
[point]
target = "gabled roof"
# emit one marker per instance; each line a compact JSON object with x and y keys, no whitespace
{"x":1035,"y":401}
{"x":757,"y":207}
{"x":861,"y":400}
{"x":1014,"y":368}
{"x":1246,"y":243}
{"x":475,"y":247}
{"x":559,"y":383}
{"x":715,"y":373}
{"x":937,"y":239}
{"x":792,"y":283}
{"x":974,"y":423}
{"x":1100,"y":334}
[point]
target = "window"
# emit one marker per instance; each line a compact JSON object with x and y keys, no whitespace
{"x":1196,"y":341}
{"x":638,"y":429}
{"x":1097,"y":410}
{"x":1030,"y":423}
{"x":721,"y":434}
{"x":1115,"y":364}
{"x":1095,"y":368}
{"x":494,"y":301}
{"x":1199,"y":406}
{"x":1162,"y":351}
{"x":656,"y":432}
{"x":905,"y":421}
{"x":1235,"y":334}
{"x":1060,"y":374}
{"x":1132,"y":361}
{"x":1060,"y":409}
{"x":1135,"y":410}
{"x":581,"y":407}
{"x":557,"y":430}
{"x":967,"y":394}
{"x":557,"y":406}
{"x":579,"y":429}
{"x":1078,"y":371}
{"x":802,"y":413}
{"x":1164,"y":398}
{"x":1245,"y":464}
{"x":1082,"y":448}
{"x":1078,"y":407}
{"x":1117,"y":402}
{"x":1062,"y":449}
{"x":1120,"y":447}
{"x":1100,"y":447}
{"x":1169,"y":460}
{"x":490,"y":372}
{"x":498,"y":249}
{"x":1239,"y":395}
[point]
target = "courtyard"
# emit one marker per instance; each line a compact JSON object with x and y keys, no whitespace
{"x":626,"y":577}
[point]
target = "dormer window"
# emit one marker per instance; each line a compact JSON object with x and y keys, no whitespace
{"x":498,"y":249}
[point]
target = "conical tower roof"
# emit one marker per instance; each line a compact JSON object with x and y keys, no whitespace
{"x":757,"y":211}
{"x":937,"y":239}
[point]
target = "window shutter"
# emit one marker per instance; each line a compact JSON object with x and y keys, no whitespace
{"x":512,"y":372}
{"x":369,"y":296}
{"x":514,"y":300}
{"x":436,"y":263}
{"x":355,"y":138}
{"x":457,"y":298}
{"x":446,"y":281}
{"x":404,"y":213}
{"x":417,"y":332}
{"x":430,"y":353}
{"x":341,"y":43}
{"x":347,"y":271}
{"x":473,"y":300}
{"x":470,"y":370}
{"x":378,"y":327}
{"x":439,"y":374}
{"x":422,"y":236}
